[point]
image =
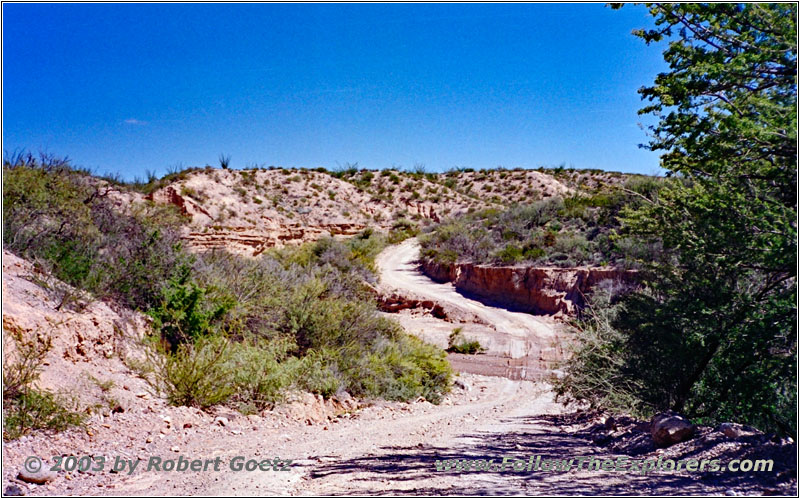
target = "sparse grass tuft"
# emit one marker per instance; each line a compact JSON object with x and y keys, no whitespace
{"x":25,"y":407}
{"x":458,"y":343}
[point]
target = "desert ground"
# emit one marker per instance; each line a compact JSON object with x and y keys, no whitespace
{"x":502,"y":406}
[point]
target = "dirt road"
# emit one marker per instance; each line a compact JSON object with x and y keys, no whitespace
{"x":386,"y":448}
{"x":518,"y":345}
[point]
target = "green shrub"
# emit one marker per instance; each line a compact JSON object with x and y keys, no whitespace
{"x":263,"y":371}
{"x":318,"y":372}
{"x":196,"y":374}
{"x":402,"y":229}
{"x":458,"y":343}
{"x":183,"y":314}
{"x":39,"y":410}
{"x":26,"y":408}
{"x":510,"y":254}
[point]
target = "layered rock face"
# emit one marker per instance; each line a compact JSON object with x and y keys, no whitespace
{"x":537,"y":290}
{"x":248,"y":211}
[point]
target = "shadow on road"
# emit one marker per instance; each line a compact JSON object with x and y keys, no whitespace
{"x":412,"y":470}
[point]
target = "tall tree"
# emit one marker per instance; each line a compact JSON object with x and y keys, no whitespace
{"x":714,"y":331}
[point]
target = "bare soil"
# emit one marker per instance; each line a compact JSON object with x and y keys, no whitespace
{"x":376,"y":447}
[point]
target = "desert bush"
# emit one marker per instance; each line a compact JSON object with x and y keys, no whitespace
{"x":39,"y":410}
{"x":28,"y":356}
{"x":510,"y":254}
{"x":401,"y":367}
{"x":196,"y":374}
{"x":458,"y":343}
{"x":64,"y":219}
{"x":25,"y":407}
{"x":402,"y":229}
{"x":345,"y":172}
{"x":595,"y":372}
{"x":263,"y":372}
{"x":183,"y":315}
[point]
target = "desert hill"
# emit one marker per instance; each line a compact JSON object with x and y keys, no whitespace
{"x":248,"y":211}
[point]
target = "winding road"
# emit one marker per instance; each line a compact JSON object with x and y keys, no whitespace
{"x":385,"y":448}
{"x":518,"y":345}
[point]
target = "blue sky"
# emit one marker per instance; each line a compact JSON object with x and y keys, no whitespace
{"x":132,"y":87}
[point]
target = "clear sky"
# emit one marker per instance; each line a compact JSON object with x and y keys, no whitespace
{"x":130,"y":87}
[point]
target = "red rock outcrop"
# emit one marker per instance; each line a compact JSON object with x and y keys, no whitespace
{"x":395,"y":302}
{"x":538,"y":290}
{"x":186,"y":205}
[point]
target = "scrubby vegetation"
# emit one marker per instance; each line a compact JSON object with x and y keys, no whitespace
{"x":713,"y":330}
{"x":306,"y":313}
{"x":228,"y":330}
{"x":458,"y":343}
{"x":68,"y":222}
{"x":577,"y":230}
{"x":26,"y":407}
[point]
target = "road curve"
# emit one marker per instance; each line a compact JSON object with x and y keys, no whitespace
{"x":532,"y":341}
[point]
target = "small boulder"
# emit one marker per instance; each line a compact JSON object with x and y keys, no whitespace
{"x":220,"y":420}
{"x":347,"y":400}
{"x":40,"y":477}
{"x":670,"y":428}
{"x":734,"y":430}
{"x":13,"y":490}
{"x":463,"y":384}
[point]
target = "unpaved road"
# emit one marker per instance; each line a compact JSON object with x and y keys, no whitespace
{"x":388,"y":448}
{"x":518,"y":345}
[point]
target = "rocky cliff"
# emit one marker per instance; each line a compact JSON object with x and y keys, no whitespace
{"x":537,"y":290}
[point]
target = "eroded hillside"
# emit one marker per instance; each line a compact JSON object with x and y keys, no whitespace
{"x":248,"y":211}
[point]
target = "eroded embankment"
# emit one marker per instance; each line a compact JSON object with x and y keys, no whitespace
{"x":537,"y":290}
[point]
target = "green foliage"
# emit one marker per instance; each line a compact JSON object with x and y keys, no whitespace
{"x":65,"y":220}
{"x":402,"y":368}
{"x":458,"y":343}
{"x":346,"y":172}
{"x":714,"y":331}
{"x":38,"y":410}
{"x":402,"y":229}
{"x":183,"y":314}
{"x":195,"y":374}
{"x":510,"y":254}
{"x":578,"y":230}
{"x":26,"y":407}
{"x":20,"y":373}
